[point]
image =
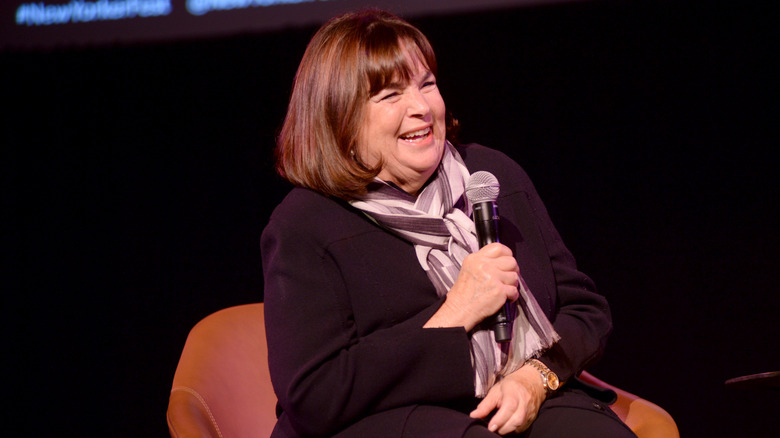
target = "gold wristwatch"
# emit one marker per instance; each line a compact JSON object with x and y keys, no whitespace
{"x":549,"y":378}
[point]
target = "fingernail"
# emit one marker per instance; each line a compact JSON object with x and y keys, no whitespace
{"x":493,"y":427}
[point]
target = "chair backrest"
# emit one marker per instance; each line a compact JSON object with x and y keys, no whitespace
{"x":222,"y":387}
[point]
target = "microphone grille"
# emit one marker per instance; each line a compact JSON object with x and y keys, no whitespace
{"x":482,"y":187}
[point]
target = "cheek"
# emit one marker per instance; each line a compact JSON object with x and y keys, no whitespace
{"x":383,"y":122}
{"x":377,"y":131}
{"x":439,"y":110}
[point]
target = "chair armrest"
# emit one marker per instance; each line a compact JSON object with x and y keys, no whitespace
{"x":189,"y":415}
{"x":645,"y":418}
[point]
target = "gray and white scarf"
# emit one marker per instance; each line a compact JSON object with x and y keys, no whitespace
{"x":437,"y":223}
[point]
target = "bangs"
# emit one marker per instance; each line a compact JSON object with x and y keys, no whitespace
{"x":387,"y":62}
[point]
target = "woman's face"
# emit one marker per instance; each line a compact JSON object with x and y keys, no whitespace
{"x":405,"y":126}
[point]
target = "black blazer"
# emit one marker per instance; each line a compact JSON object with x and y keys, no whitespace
{"x":345,"y":303}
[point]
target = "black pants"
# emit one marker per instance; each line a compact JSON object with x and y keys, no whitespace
{"x":571,"y":413}
{"x":576,"y":411}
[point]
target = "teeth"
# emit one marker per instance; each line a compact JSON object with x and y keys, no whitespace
{"x":420,"y":133}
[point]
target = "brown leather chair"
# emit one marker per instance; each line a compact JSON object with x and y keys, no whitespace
{"x":646,"y":419}
{"x":222,"y":387}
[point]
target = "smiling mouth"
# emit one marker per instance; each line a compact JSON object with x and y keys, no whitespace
{"x":417,"y":135}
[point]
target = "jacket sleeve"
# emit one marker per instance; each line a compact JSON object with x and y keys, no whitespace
{"x":328,"y":372}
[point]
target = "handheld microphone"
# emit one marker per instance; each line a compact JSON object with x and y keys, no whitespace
{"x":482,"y":191}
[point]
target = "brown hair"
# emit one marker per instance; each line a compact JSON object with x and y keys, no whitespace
{"x":351,"y":58}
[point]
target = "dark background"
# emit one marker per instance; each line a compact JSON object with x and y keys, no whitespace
{"x":137,"y":180}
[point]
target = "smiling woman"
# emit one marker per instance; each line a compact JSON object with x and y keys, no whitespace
{"x":377,"y":83}
{"x":404,"y":129}
{"x":376,"y":252}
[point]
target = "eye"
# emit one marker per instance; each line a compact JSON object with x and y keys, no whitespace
{"x":429,"y":83}
{"x":390,"y":95}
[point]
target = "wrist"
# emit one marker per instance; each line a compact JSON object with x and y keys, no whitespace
{"x":549,"y":379}
{"x":528,"y":377}
{"x":449,"y":315}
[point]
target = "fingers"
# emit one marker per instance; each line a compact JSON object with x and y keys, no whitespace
{"x":495,"y":261}
{"x":509,"y":420}
{"x":486,"y":406}
{"x":508,"y":417}
{"x":495,"y":249}
{"x":487,"y":279}
{"x":511,"y":414}
{"x":529,"y":393}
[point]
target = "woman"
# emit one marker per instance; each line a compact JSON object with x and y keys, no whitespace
{"x":377,"y":295}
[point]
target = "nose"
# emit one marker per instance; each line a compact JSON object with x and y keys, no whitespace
{"x":418,"y":104}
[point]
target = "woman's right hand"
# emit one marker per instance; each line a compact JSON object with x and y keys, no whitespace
{"x":487,"y":279}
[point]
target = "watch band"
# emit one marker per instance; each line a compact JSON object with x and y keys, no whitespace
{"x":549,"y":378}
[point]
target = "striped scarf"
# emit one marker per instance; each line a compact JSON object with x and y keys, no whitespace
{"x":437,"y":223}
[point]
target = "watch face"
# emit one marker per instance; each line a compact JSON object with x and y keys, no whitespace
{"x":552,"y":381}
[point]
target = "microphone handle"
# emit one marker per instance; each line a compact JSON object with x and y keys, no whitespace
{"x":486,"y":222}
{"x":500,"y":325}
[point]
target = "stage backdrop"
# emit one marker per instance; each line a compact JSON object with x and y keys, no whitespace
{"x":66,"y":23}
